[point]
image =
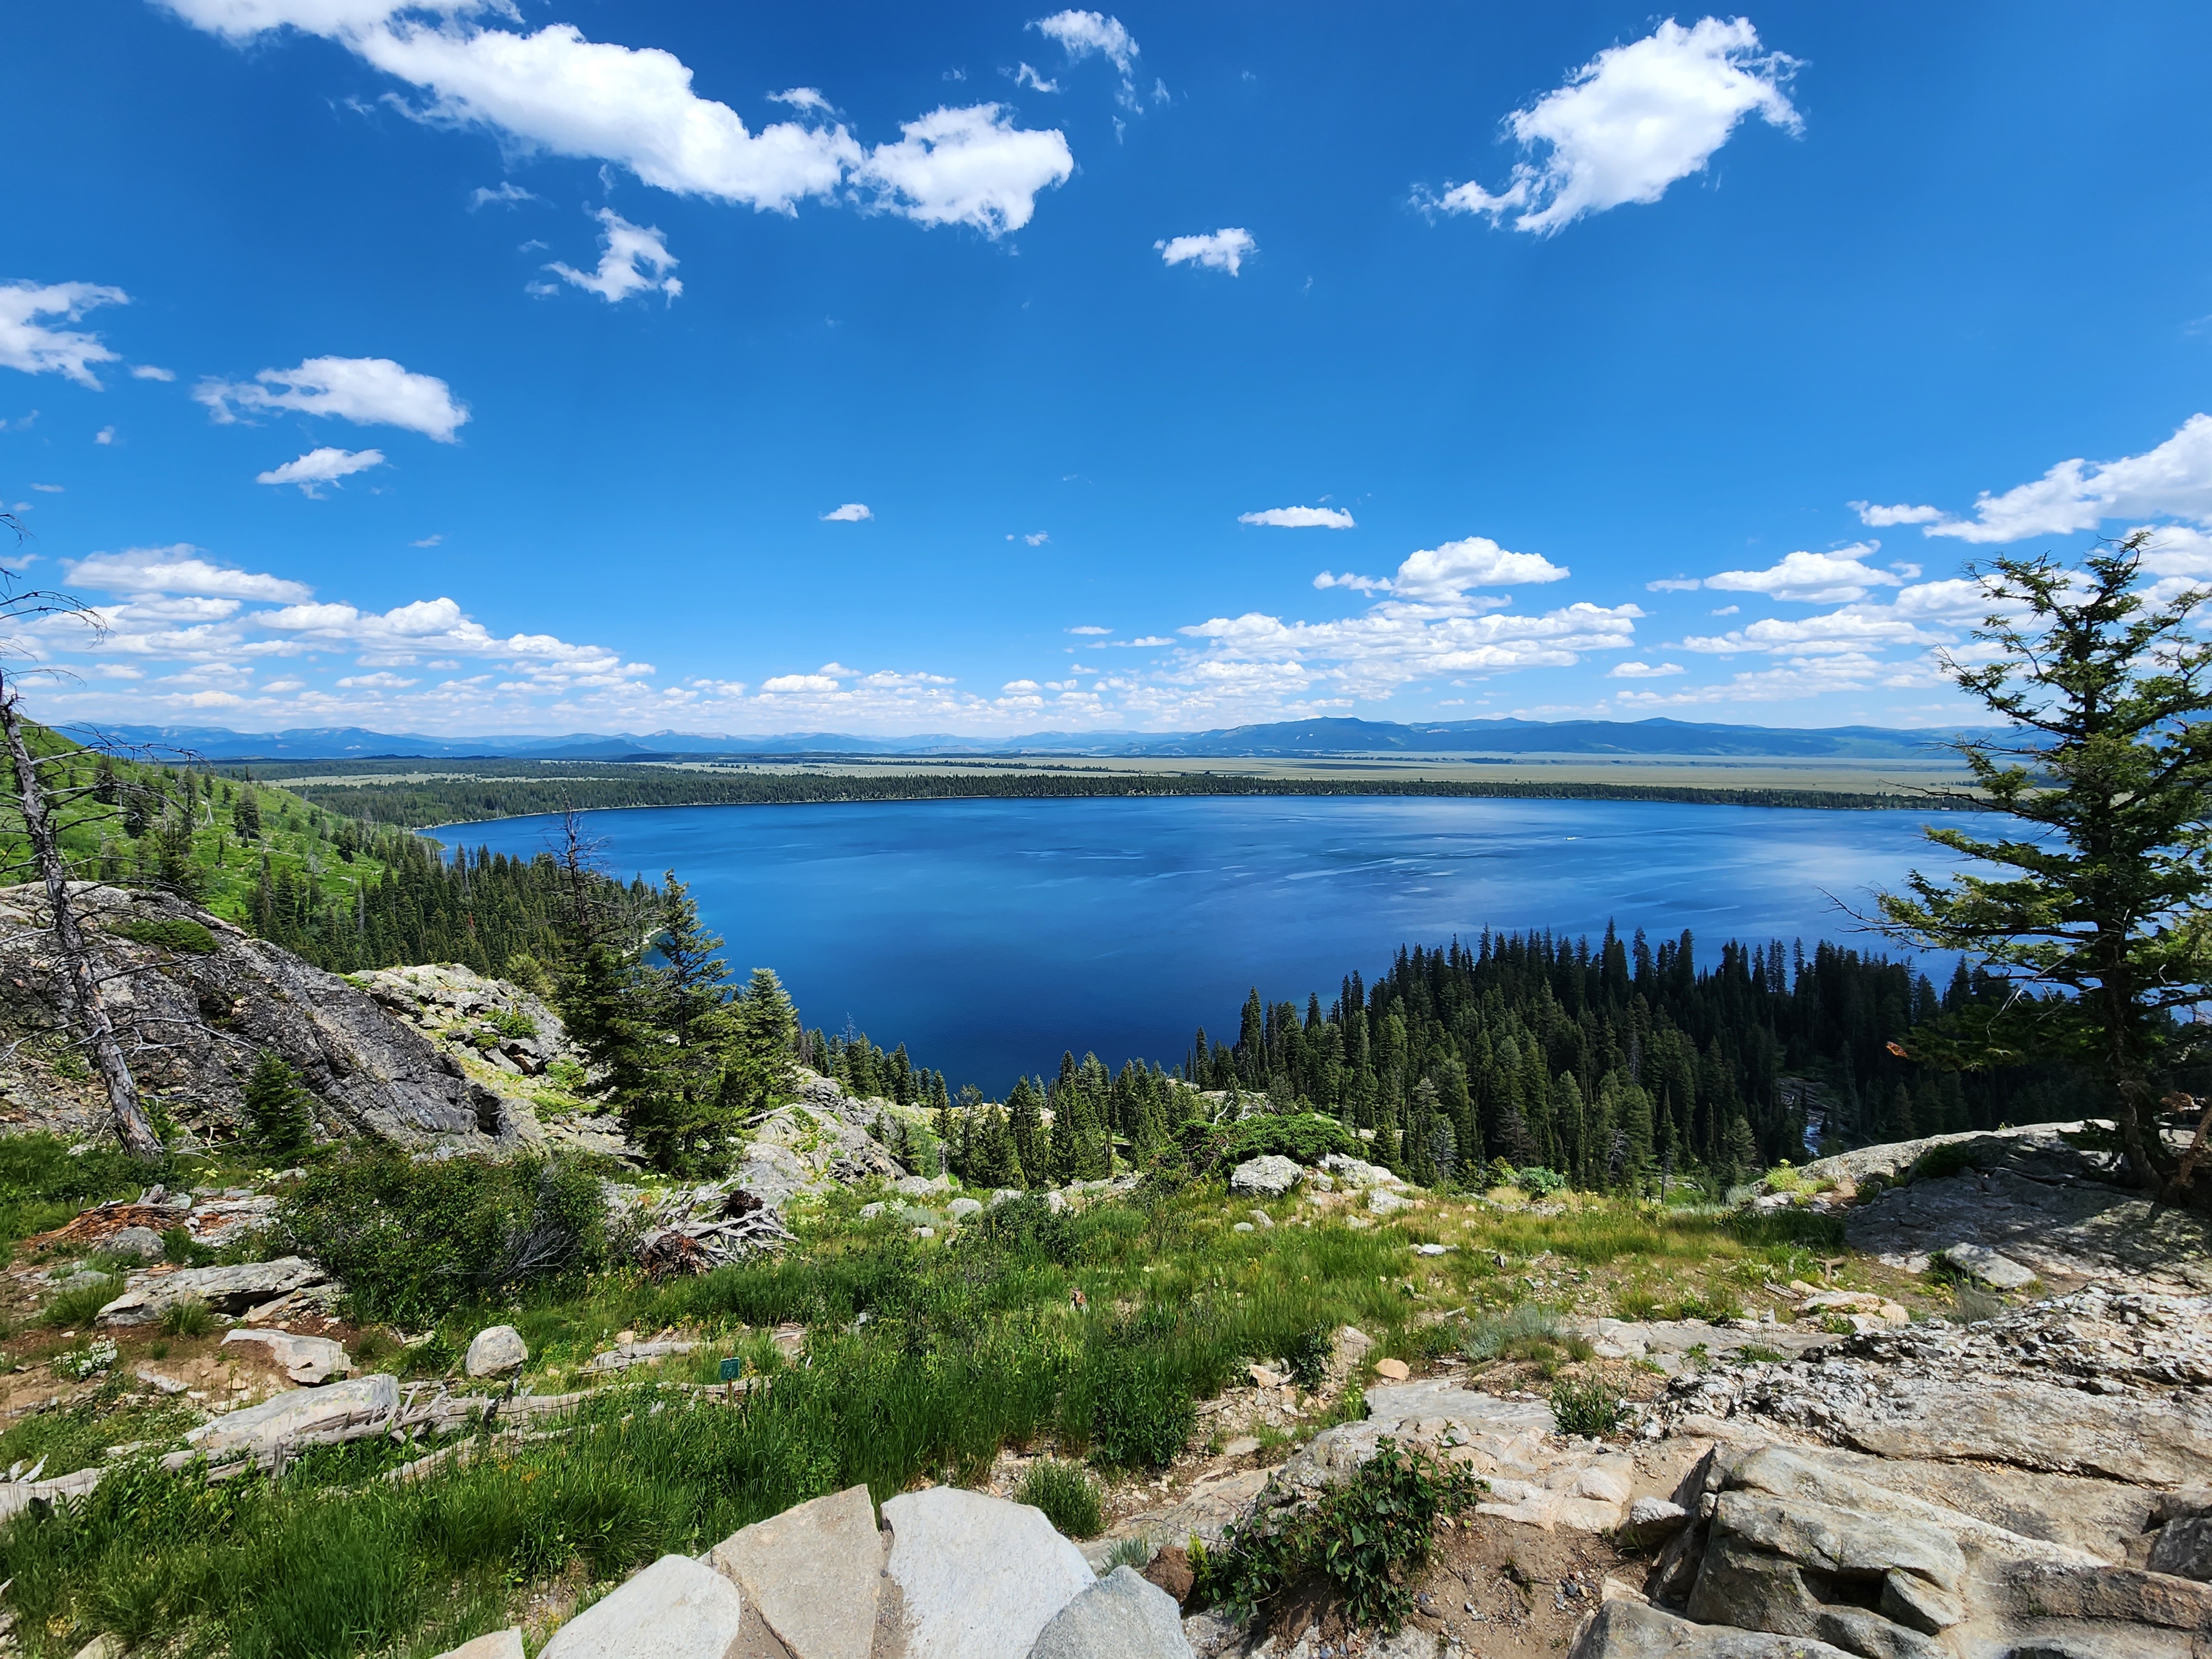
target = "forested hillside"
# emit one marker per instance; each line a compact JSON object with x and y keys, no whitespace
{"x":523,"y":788}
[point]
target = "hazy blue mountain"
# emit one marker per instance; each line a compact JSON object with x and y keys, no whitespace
{"x":1314,"y":737}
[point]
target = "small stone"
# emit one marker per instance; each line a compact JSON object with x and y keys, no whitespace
{"x":1263,"y":1378}
{"x":1242,"y":1446}
{"x":1381,"y":1200}
{"x":674,"y":1609}
{"x":102,"y":1646}
{"x":2184,"y":1548}
{"x":1430,"y":1249}
{"x":1261,"y":1219}
{"x":495,"y":1351}
{"x":1655,"y":1520}
{"x":1242,"y":1227}
{"x":1394,"y":1370}
{"x":869,"y":1212}
{"x":961,"y":1209}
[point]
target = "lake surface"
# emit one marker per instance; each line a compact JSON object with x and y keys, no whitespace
{"x":989,"y":936}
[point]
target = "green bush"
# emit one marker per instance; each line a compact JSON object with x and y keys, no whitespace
{"x":1025,"y":1229}
{"x":412,"y":1240}
{"x":1938,"y":1162}
{"x":1586,"y":1408}
{"x":1141,"y":1411}
{"x":1304,"y":1138}
{"x":1068,"y":1496}
{"x":1306,"y":1357}
{"x":180,"y":934}
{"x":1363,"y":1539}
{"x":1538,"y":1182}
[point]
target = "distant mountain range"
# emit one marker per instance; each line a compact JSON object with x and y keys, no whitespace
{"x":1460,"y":739}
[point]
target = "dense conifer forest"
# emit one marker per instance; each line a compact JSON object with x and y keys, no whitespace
{"x":419,"y":803}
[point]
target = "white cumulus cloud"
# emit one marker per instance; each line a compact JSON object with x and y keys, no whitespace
{"x":2173,"y":480}
{"x":179,"y":569}
{"x":1300,"y":518}
{"x":321,"y":467}
{"x":557,"y":92}
{"x":1643,"y":671}
{"x":967,"y":167}
{"x":37,"y":349}
{"x":365,"y":390}
{"x":1812,"y":578}
{"x":1089,"y":627}
{"x":851,"y":512}
{"x":1218,"y":250}
{"x":625,"y":250}
{"x":1443,"y":574}
{"x":1632,"y":121}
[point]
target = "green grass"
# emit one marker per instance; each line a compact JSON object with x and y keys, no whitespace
{"x":1068,"y":1496}
{"x":189,"y":1317}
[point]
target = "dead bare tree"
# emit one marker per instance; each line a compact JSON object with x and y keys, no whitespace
{"x":32,"y":801}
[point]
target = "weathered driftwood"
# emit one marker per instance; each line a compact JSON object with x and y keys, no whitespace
{"x":696,"y":1229}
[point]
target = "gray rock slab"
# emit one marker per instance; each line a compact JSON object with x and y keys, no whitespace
{"x":226,"y":1289}
{"x":812,"y":1573}
{"x":1981,"y":1262}
{"x":141,"y":1242}
{"x":961,"y":1209}
{"x":306,"y":1360}
{"x":1122,"y":1616}
{"x":2140,"y":1440}
{"x":1845,"y":1541}
{"x":260,"y":1429}
{"x":2184,"y":1548}
{"x":495,"y":1351}
{"x":499,"y":1645}
{"x":1265,"y":1177}
{"x":1632,"y":1630}
{"x":980,"y":1578}
{"x":624,"y":1355}
{"x":674,"y":1609}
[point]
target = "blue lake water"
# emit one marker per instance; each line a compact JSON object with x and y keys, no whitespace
{"x":989,"y":936}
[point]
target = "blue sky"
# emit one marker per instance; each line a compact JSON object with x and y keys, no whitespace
{"x":568,"y":366}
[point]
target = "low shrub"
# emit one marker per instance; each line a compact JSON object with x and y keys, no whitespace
{"x":1939,"y":1161}
{"x":1068,"y":1496}
{"x":413,"y":1241}
{"x":1363,"y":1539}
{"x":1304,"y":1138}
{"x":1525,"y":1331}
{"x":43,"y":1183}
{"x":1538,"y":1182}
{"x":1971,"y":1304}
{"x":1586,"y":1408}
{"x":1026,"y":1228}
{"x":178,"y":933}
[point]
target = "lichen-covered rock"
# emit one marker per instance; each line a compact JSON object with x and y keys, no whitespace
{"x":202,"y":1017}
{"x":1265,"y":1177}
{"x":1122,"y":1616}
{"x":495,"y":1351}
{"x":307,"y":1360}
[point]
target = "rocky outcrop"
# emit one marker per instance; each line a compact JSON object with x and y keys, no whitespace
{"x":1265,"y":1177}
{"x":813,"y":1574}
{"x":307,"y":1360}
{"x":198,"y":1019}
{"x":296,"y":1416}
{"x":238,"y":1290}
{"x":674,"y":1609}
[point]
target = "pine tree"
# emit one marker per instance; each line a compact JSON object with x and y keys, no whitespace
{"x":1025,"y":1119}
{"x":279,"y":1111}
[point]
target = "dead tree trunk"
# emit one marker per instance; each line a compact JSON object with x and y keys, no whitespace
{"x":132,"y":1126}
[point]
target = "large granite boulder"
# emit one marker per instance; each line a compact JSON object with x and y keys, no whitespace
{"x":306,"y":1360}
{"x":814,"y":1574}
{"x":1122,"y":1616}
{"x":495,"y":1351}
{"x":978,"y":1578}
{"x":674,"y":1609}
{"x":1265,"y":1177}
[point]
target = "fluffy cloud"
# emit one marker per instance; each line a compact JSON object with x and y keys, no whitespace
{"x":1089,"y":627}
{"x":1812,"y":578}
{"x":365,"y":390}
{"x":320,"y":466}
{"x":623,"y":248}
{"x":148,"y":372}
{"x":851,"y":512}
{"x":179,"y":569}
{"x":1633,"y":121}
{"x":556,"y":92}
{"x":507,"y":195}
{"x":380,"y":681}
{"x":1855,"y":628}
{"x":32,"y":347}
{"x":1081,"y":33}
{"x":1300,"y":518}
{"x":1219,"y":250}
{"x":2174,"y":480}
{"x":784,"y":683}
{"x":1443,"y":575}
{"x":1643,"y":671}
{"x":967,"y":167}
